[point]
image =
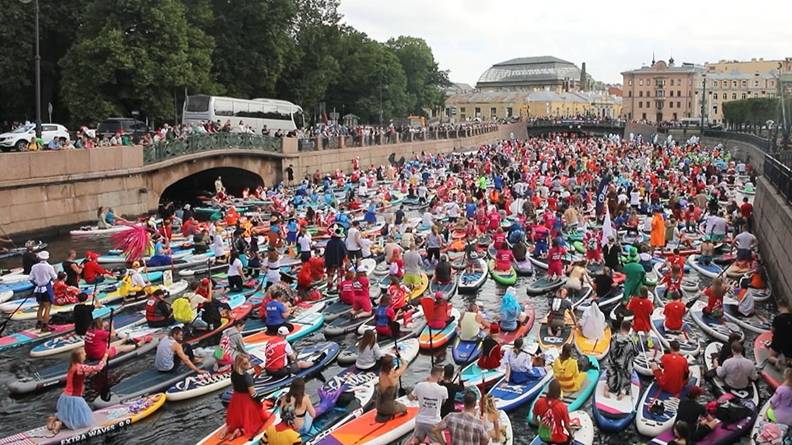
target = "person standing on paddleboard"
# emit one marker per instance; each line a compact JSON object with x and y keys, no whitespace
{"x":42,"y":275}
{"x":430,"y":396}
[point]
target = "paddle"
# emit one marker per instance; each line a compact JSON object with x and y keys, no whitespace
{"x":5,"y":322}
{"x":394,"y":327}
{"x":102,"y":381}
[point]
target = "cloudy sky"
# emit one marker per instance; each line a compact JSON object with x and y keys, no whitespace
{"x":468,"y":36}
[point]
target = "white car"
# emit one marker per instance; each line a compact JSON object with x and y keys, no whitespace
{"x":19,"y":138}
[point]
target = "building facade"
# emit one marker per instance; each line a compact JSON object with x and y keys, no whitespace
{"x":493,"y":105}
{"x":661,"y":92}
{"x":723,"y":87}
{"x":543,"y":73}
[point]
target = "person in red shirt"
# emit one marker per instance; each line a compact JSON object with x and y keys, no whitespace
{"x":346,"y":290}
{"x":305,"y":277}
{"x":317,"y":267}
{"x":676,"y":260}
{"x":361,"y":303}
{"x":552,"y":415}
{"x":64,"y":294}
{"x":503,"y":259}
{"x":96,"y":340}
{"x":714,"y":295}
{"x":491,"y":353}
{"x":672,"y":374}
{"x":674,"y":311}
{"x":641,"y":306}
{"x":555,"y":266}
{"x":437,"y":311}
{"x":746,"y":209}
{"x":92,"y":271}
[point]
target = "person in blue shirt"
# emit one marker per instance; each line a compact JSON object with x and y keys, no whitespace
{"x":297,"y":200}
{"x":291,"y":231}
{"x":498,"y":182}
{"x":54,"y":144}
{"x":425,"y":176}
{"x":343,"y":220}
{"x":110,"y":217}
{"x":371,"y":214}
{"x":470,"y":209}
{"x":278,"y":312}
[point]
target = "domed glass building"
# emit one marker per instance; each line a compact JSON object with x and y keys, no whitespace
{"x":543,"y":73}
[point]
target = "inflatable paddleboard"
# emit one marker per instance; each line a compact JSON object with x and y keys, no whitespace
{"x":653,"y":422}
{"x":504,"y":278}
{"x":510,"y":396}
{"x":469,"y":282}
{"x":710,"y":354}
{"x":710,"y":270}
{"x":688,"y":342}
{"x":583,"y":429}
{"x":437,"y":338}
{"x":123,"y":324}
{"x":613,"y":414}
{"x":717,"y":328}
{"x":754,"y":323}
{"x":544,"y":285}
{"x":770,"y":374}
{"x":575,"y":400}
{"x":597,"y":347}
{"x":547,"y":341}
{"x":723,"y":433}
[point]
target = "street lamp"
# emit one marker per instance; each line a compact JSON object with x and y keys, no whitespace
{"x":703,"y":99}
{"x":38,"y":68}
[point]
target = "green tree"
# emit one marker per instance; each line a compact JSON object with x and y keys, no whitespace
{"x":253,"y":44}
{"x":313,"y":65}
{"x":134,"y":55}
{"x":373,"y":84}
{"x":425,"y":81}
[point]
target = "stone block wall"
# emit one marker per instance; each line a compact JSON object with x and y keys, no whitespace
{"x":773,"y":227}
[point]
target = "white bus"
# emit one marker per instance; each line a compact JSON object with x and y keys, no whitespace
{"x":273,"y":114}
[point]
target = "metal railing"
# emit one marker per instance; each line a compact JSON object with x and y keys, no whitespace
{"x":760,"y":142}
{"x":162,"y":150}
{"x":779,"y":175}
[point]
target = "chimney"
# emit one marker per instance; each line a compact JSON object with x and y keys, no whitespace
{"x":583,"y":85}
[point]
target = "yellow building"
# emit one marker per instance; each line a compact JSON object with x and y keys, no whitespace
{"x":754,"y":65}
{"x":722,"y":87}
{"x":492,"y":105}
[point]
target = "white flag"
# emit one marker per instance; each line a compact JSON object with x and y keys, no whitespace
{"x":607,"y":227}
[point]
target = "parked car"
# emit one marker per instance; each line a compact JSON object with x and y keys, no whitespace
{"x":132,"y":127}
{"x":19,"y":138}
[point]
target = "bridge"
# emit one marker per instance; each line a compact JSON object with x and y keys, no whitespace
{"x":59,"y":189}
{"x":577,"y":126}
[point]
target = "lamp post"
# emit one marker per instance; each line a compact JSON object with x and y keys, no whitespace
{"x":703,"y":99}
{"x":38,"y":67}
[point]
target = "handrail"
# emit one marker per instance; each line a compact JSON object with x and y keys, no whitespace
{"x":166,"y":149}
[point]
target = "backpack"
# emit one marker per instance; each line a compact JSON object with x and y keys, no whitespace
{"x":547,"y":424}
{"x":182,"y":310}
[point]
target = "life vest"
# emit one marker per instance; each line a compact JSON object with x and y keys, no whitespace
{"x":275,"y":354}
{"x":153,"y":312}
{"x":381,"y":319}
{"x":347,"y":291}
{"x":182,"y":310}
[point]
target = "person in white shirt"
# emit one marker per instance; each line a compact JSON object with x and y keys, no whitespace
{"x":452,"y":210}
{"x":518,"y":363}
{"x":427,"y":220}
{"x":304,"y":241}
{"x":430,"y":396}
{"x":353,"y":242}
{"x":365,"y":247}
{"x":236,"y":273}
{"x":42,"y":275}
{"x":635,"y":198}
{"x":745,"y":242}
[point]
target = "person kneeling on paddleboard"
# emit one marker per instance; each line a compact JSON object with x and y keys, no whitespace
{"x":511,"y":313}
{"x":437,"y":311}
{"x":519,"y":365}
{"x":385,"y":403}
{"x":567,"y":370}
{"x":672,"y":374}
{"x":158,"y":311}
{"x":491,"y":352}
{"x":281,"y":358}
{"x":72,"y":410}
{"x":559,"y":307}
{"x":278,"y":311}
{"x":385,"y":318}
{"x":172,"y":347}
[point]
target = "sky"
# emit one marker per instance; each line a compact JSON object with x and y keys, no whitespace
{"x":611,"y":36}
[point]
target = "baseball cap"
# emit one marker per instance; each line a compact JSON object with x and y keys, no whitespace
{"x":283,"y":330}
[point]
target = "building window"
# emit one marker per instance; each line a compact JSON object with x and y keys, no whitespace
{"x":640,"y":82}
{"x":629,"y":82}
{"x":478,"y":112}
{"x":671,"y":104}
{"x":725,"y":96}
{"x":462,"y":110}
{"x":743,"y":95}
{"x":679,"y":104}
{"x":640,"y":94}
{"x":679,"y":93}
{"x":644,"y":116}
{"x":629,"y":94}
{"x":744,"y":83}
{"x":640,"y":104}
{"x":734,"y":96}
{"x":493,"y":113}
{"x":734,"y":84}
{"x":725,"y":84}
{"x":509,"y":112}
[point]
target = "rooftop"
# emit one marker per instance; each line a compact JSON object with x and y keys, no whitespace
{"x":661,"y":67}
{"x":528,"y":70}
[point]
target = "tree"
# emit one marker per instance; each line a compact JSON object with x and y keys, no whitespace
{"x":313,"y":66}
{"x":425,"y":82}
{"x":134,"y":55}
{"x":253,"y":44}
{"x":373,"y":84}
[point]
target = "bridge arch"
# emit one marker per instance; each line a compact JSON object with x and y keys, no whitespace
{"x":238,"y":168}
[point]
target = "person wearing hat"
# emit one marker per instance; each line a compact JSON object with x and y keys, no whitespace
{"x":93,"y":272}
{"x":335,"y":256}
{"x":158,"y":311}
{"x":361,"y":302}
{"x":42,"y":275}
{"x":279,"y":355}
{"x":491,"y":353}
{"x":634,"y":273}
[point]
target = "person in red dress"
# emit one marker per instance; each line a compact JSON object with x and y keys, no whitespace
{"x":245,"y":416}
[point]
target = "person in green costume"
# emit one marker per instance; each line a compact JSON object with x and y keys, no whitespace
{"x":634,"y":273}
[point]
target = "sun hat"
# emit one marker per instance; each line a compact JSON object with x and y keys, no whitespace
{"x":283,"y":330}
{"x":43,"y":255}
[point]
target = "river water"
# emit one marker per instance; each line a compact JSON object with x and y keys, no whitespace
{"x":187,"y":422}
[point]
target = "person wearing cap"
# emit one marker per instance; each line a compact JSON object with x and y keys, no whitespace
{"x":158,"y":311}
{"x":361,"y":303}
{"x":634,"y":274}
{"x":700,"y":422}
{"x":335,"y":256}
{"x":279,"y":354}
{"x":43,"y":275}
{"x":92,"y":272}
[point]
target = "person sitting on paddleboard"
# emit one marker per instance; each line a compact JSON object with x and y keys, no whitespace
{"x":592,"y":322}
{"x":552,"y":415}
{"x":173,"y":347}
{"x":566,"y":370}
{"x":385,"y":318}
{"x":369,"y":354}
{"x":503,"y":259}
{"x":491,"y":353}
{"x":471,"y":323}
{"x":511,"y":313}
{"x":158,"y":311}
{"x":278,"y":311}
{"x":672,"y":373}
{"x":438,"y":314}
{"x":559,"y":307}
{"x":97,"y":339}
{"x":385,"y":402}
{"x":281,"y":358}
{"x":296,"y":408}
{"x":714,"y":293}
{"x":674,"y":312}
{"x":346,"y":290}
{"x":442,"y":274}
{"x":361,"y":303}
{"x":518,"y":364}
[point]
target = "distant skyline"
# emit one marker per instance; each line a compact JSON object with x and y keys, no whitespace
{"x":468,"y":36}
